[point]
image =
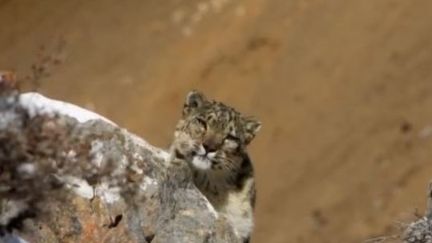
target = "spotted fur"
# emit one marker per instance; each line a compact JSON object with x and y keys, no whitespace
{"x":212,"y":138}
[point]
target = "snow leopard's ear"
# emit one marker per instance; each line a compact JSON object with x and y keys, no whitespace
{"x":194,"y":100}
{"x":251,"y":127}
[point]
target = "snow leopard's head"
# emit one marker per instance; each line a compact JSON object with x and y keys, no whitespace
{"x":212,"y":135}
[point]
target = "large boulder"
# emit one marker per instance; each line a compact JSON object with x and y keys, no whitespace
{"x":70,"y":175}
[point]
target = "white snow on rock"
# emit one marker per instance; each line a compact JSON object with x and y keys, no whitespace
{"x":79,"y":186}
{"x":37,"y":104}
{"x":108,"y":194}
{"x":83,"y":189}
{"x":27,"y":169}
{"x":149,"y":185}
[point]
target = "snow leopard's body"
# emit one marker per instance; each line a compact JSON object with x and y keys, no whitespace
{"x":212,"y":138}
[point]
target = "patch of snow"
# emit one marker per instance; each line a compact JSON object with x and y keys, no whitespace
{"x":27,"y":169}
{"x":79,"y":186}
{"x":37,"y":104}
{"x":108,"y":194}
{"x":83,"y":189}
{"x":149,"y":185}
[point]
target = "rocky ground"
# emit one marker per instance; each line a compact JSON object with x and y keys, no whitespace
{"x":343,"y":89}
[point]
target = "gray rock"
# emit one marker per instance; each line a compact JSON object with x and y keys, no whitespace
{"x":68,"y":176}
{"x":420,"y":231}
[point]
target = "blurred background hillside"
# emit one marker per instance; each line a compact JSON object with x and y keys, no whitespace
{"x":344,"y":90}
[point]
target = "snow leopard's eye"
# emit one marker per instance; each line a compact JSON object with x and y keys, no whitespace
{"x":201,"y":122}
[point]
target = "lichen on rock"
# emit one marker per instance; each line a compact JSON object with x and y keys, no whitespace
{"x":69,"y":175}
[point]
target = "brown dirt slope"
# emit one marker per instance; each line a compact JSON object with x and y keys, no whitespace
{"x":344,"y":89}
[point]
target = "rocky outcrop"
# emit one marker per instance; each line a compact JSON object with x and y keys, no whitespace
{"x":69,"y":175}
{"x":420,"y":231}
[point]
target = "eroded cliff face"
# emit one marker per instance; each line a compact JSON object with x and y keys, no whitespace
{"x":69,"y":175}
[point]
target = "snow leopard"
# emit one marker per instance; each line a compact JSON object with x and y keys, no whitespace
{"x":212,"y":138}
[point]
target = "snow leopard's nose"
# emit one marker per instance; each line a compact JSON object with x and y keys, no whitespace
{"x":209,"y":147}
